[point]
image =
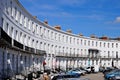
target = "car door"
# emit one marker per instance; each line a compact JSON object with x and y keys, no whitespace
{"x":117,"y":76}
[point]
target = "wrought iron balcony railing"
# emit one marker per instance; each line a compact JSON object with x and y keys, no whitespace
{"x":42,"y":52}
{"x":5,"y":38}
{"x":18,"y":44}
{"x":60,"y":54}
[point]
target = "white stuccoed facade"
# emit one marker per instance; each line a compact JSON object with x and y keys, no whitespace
{"x":32,"y":42}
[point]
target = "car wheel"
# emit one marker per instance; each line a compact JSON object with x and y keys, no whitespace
{"x":110,"y":78}
{"x":83,"y":74}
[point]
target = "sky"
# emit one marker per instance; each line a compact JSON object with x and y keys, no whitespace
{"x":98,"y":17}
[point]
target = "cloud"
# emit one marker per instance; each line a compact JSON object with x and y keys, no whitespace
{"x":117,"y":20}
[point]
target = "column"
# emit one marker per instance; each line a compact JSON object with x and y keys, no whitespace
{"x":18,"y":62}
{"x":1,"y":61}
{"x":17,"y":16}
{"x":76,"y":64}
{"x":21,"y":19}
{"x":31,"y":62}
{"x":5,"y":61}
{"x":64,"y":64}
{"x":26,"y":22}
{"x":30,"y":23}
{"x":15,"y":62}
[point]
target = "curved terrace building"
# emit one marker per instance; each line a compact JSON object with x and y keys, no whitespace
{"x":26,"y":43}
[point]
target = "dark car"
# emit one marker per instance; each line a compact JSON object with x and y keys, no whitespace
{"x":107,"y":70}
{"x":101,"y":69}
{"x":67,"y":77}
{"x":117,"y":77}
{"x":113,"y":75}
{"x":63,"y":76}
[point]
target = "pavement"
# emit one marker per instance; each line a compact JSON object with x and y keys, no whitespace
{"x":91,"y":76}
{"x":94,"y":76}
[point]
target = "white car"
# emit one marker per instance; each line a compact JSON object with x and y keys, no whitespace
{"x":88,"y":69}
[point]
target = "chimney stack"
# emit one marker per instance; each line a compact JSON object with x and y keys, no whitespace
{"x":69,"y":31}
{"x":35,"y":17}
{"x":57,"y":27}
{"x":80,"y":34}
{"x":46,"y":22}
{"x":93,"y":36}
{"x":104,"y":38}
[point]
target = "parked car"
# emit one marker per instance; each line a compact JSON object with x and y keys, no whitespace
{"x":87,"y":69}
{"x":77,"y":73}
{"x":83,"y":72}
{"x":117,"y":77}
{"x":107,"y":70}
{"x":67,"y":77}
{"x":92,"y":69}
{"x":101,"y":69}
{"x":113,"y":74}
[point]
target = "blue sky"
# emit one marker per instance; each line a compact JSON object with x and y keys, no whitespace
{"x":99,"y":17}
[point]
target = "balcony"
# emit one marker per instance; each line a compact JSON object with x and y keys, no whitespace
{"x":18,"y":44}
{"x":40,"y":52}
{"x":32,"y":50}
{"x":29,"y":49}
{"x":106,"y":57}
{"x":5,"y":39}
{"x":36,"y":51}
{"x":69,"y":55}
{"x":60,"y":54}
